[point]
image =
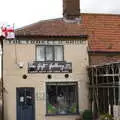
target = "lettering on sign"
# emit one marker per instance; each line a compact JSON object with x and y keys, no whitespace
{"x":47,"y":42}
{"x":49,"y":67}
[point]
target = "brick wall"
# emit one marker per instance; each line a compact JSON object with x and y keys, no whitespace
{"x":96,"y":59}
{"x":103,"y":31}
{"x":103,"y":36}
{"x":71,"y":8}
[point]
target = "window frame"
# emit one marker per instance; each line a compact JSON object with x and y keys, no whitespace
{"x":57,"y":83}
{"x":53,"y":50}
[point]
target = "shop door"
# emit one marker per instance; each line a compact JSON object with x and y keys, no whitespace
{"x":25,"y":104}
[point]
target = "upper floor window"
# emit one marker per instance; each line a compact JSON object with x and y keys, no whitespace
{"x":50,"y":53}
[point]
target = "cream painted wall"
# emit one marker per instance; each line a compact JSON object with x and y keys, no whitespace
{"x":15,"y":53}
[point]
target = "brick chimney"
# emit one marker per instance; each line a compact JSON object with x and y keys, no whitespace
{"x":71,"y":9}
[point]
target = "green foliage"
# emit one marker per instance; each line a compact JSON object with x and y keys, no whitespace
{"x":87,"y":115}
{"x":106,"y":117}
{"x":73,"y":108}
{"x":51,"y":109}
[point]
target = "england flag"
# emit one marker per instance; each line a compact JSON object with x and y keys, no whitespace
{"x":8,"y":31}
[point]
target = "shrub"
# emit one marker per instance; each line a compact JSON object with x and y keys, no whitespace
{"x":106,"y":117}
{"x":87,"y":115}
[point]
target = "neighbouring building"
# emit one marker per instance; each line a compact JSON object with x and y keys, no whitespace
{"x":45,"y":67}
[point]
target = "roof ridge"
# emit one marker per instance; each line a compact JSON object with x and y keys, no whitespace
{"x":106,"y":14}
{"x":40,"y":21}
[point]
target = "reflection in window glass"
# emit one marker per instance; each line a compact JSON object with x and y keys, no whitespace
{"x":62,"y":98}
{"x":41,"y":53}
{"x":58,"y":53}
{"x":49,"y":53}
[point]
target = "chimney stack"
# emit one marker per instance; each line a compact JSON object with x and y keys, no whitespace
{"x":71,"y":9}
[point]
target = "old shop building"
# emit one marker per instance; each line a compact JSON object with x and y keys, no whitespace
{"x":45,"y":67}
{"x":45,"y":71}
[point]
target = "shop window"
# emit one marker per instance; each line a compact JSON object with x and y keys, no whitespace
{"x":50,"y":53}
{"x":62,"y":98}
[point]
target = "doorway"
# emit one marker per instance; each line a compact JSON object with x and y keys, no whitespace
{"x":25,"y":103}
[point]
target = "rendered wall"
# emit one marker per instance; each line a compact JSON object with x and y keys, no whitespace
{"x":15,"y":53}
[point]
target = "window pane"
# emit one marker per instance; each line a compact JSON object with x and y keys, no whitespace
{"x":40,"y":53}
{"x":49,"y":53}
{"x":51,"y":99}
{"x":58,"y":53}
{"x":62,"y":99}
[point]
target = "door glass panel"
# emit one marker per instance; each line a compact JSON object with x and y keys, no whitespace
{"x":29,"y":97}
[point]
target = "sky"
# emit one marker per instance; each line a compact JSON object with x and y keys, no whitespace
{"x":24,"y":12}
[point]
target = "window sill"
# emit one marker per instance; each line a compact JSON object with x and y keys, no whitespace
{"x":63,"y":114}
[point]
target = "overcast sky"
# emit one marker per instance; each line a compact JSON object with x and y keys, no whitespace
{"x":23,"y":12}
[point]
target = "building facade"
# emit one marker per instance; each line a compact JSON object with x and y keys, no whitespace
{"x":45,"y":78}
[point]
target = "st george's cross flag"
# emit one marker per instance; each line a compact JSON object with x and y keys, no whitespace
{"x":8,"y":31}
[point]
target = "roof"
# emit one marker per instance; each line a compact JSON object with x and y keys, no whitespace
{"x":103,"y":30}
{"x":54,"y":27}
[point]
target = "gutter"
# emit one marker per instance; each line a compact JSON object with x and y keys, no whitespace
{"x":53,"y":36}
{"x":104,"y":52}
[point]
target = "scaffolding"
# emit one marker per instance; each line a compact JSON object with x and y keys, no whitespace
{"x":104,"y":87}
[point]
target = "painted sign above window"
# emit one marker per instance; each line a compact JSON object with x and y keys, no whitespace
{"x":48,"y":42}
{"x":49,"y":67}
